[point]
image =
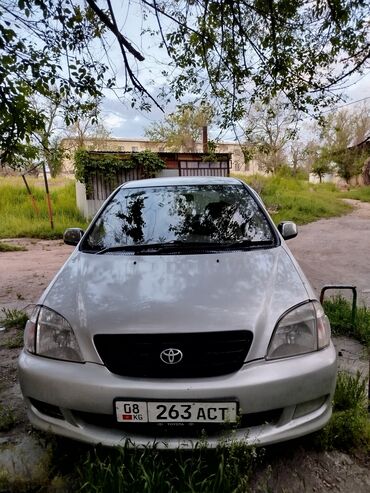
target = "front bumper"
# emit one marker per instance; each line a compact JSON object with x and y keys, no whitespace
{"x":300,"y":389}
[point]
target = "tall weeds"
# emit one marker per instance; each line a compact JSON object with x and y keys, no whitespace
{"x":19,"y":218}
{"x":297,"y":200}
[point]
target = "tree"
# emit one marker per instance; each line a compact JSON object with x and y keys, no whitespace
{"x":321,"y":167}
{"x":44,"y":45}
{"x":340,"y":133}
{"x":242,"y":51}
{"x":90,"y":127}
{"x":182,"y":129}
{"x":298,"y":156}
{"x":47,"y":139}
{"x":349,"y":164}
{"x":269,"y":128}
{"x":314,"y":159}
{"x":233,"y":53}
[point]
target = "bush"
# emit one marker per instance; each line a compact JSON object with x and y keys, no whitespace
{"x":286,"y":171}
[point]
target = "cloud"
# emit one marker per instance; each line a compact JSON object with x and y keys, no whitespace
{"x":112,"y":121}
{"x":124,"y":121}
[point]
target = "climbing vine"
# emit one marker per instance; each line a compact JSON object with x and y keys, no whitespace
{"x":149,"y":162}
{"x":108,"y":164}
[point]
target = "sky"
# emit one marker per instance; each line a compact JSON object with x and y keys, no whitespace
{"x":123,"y":121}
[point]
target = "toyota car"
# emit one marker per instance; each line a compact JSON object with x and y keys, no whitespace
{"x":181,"y":314}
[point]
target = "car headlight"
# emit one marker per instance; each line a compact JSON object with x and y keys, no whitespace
{"x":49,"y":334}
{"x":304,"y":329}
{"x":30,"y":330}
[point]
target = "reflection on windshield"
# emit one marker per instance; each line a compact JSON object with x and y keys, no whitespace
{"x":188,"y":214}
{"x":133,"y":223}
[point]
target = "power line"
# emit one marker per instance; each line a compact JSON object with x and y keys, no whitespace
{"x":346,"y":104}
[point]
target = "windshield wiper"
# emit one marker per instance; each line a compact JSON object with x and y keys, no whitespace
{"x":180,"y":245}
{"x":155,"y":247}
{"x":249,"y":243}
{"x":125,"y":248}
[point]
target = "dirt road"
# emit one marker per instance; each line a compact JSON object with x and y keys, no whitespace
{"x":25,"y":275}
{"x":337,"y":250}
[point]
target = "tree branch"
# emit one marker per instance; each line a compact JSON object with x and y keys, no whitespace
{"x":113,"y":27}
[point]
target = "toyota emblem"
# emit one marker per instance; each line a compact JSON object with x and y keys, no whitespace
{"x":171,"y":356}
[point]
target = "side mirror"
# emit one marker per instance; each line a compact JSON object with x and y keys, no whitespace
{"x":72,"y":236}
{"x":288,"y":229}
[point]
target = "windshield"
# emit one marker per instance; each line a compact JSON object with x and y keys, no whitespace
{"x":186,"y":214}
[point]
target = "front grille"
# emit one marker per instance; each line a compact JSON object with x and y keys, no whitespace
{"x":205,"y":354}
{"x":193,"y":430}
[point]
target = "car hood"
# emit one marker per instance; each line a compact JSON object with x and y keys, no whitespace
{"x":115,"y":293}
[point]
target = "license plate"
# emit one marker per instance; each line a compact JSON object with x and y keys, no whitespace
{"x":175,"y":412}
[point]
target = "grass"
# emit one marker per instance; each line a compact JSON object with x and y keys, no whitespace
{"x":150,"y":470}
{"x":287,"y":198}
{"x":297,"y":200}
{"x":6,"y":247}
{"x":339,"y":311}
{"x":12,"y":318}
{"x":349,"y":427}
{"x":350,"y":392}
{"x":136,"y":470}
{"x":19,"y":218}
{"x":362,"y":193}
{"x":75,"y":467}
{"x":15,"y":342}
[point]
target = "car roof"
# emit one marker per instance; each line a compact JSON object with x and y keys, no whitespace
{"x":181,"y":180}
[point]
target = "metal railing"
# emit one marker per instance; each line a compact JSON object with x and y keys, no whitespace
{"x":341,"y":287}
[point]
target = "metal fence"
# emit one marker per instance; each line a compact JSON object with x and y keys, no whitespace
{"x":203,"y":168}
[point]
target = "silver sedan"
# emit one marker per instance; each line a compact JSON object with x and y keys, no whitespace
{"x":181,"y":315}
